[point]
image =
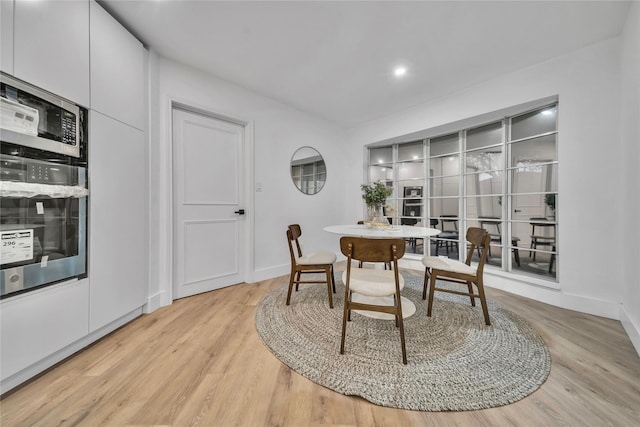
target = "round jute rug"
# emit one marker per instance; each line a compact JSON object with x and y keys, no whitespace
{"x":455,"y":361}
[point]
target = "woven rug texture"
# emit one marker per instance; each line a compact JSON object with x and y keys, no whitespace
{"x":455,"y":361}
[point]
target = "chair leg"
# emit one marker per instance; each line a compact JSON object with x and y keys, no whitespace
{"x":333,"y":279}
{"x":431,"y":292}
{"x":345,"y":315}
{"x":395,"y":304}
{"x":298,"y":280}
{"x":516,"y":252}
{"x":291,"y":276}
{"x":483,"y":301}
{"x":426,"y":283}
{"x":328,"y":272}
{"x":400,"y":321}
{"x":473,"y":300}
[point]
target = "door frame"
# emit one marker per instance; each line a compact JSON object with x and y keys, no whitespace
{"x":166,"y":202}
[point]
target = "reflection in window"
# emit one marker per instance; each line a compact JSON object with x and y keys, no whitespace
{"x":502,"y":176}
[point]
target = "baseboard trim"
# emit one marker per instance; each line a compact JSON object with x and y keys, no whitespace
{"x":271,"y":272}
{"x":631,"y":328}
{"x":154,"y":302}
{"x":39,"y":367}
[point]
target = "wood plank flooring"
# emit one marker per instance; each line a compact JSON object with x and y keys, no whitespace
{"x":200,"y":362}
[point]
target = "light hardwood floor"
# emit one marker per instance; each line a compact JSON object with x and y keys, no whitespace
{"x":201,"y":362}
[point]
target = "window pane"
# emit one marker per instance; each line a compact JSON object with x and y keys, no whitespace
{"x":483,"y":207}
{"x":485,"y":160}
{"x":537,"y":150}
{"x":443,"y":206}
{"x":380,"y":155}
{"x":411,"y":183}
{"x":409,"y":170}
{"x":380,"y":173}
{"x":534,"y":178}
{"x":484,"y":183}
{"x":534,"y":123}
{"x":484,"y":136}
{"x":410,"y":151}
{"x":443,"y":166}
{"x":447,"y":186}
{"x":447,"y":144}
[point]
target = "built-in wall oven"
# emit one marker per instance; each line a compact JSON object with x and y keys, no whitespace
{"x":43,"y":188}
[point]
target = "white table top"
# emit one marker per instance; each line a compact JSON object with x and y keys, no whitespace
{"x":403,"y":231}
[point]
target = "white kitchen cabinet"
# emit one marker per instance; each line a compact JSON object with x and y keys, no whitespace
{"x":117,"y":70}
{"x":51,"y":46}
{"x":6,"y":36}
{"x":36,"y":325}
{"x":118,"y":217}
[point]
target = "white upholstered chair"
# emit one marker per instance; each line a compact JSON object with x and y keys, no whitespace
{"x":311,"y":263}
{"x":451,"y":270}
{"x":373,"y":282}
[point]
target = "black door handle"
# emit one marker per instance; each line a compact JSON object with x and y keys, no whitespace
{"x":240,"y":212}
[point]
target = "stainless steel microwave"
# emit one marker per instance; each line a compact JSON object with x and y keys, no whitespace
{"x":32,"y":117}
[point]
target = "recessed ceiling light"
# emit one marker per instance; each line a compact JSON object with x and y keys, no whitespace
{"x":400,"y":71}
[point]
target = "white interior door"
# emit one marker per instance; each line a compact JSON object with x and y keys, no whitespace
{"x":208,"y":193}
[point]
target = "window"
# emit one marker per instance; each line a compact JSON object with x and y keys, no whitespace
{"x":500,"y":175}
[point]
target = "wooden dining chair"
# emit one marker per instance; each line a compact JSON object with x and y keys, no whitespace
{"x":312,"y":263}
{"x":460,"y":272}
{"x":373,"y":282}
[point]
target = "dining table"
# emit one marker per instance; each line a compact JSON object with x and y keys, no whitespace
{"x":382,"y":232}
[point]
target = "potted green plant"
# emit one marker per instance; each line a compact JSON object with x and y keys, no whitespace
{"x":375,"y":196}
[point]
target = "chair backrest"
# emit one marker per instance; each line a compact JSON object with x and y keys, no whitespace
{"x":449,"y":220}
{"x":372,"y":250}
{"x":293,"y":233}
{"x":433,"y":222}
{"x":478,"y":238}
{"x":490,"y":221}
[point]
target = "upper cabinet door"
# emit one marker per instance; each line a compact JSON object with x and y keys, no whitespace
{"x":51,"y":46}
{"x":6,"y":36}
{"x":117,"y":70}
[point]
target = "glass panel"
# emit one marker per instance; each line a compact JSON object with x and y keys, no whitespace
{"x":537,"y":150}
{"x":532,"y":178}
{"x":483,"y":136}
{"x":447,"y":186}
{"x":412,"y":203}
{"x":443,"y":206}
{"x":380,"y":173}
{"x":443,"y":166}
{"x":483,"y":207}
{"x":447,"y":144}
{"x":534,"y":123}
{"x":410,"y":170}
{"x":539,"y":257}
{"x":484,"y":183}
{"x":411,"y":151}
{"x":410,"y":183}
{"x":380,"y":155}
{"x":485,"y":160}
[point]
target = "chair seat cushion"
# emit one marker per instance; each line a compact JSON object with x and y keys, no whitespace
{"x":314,"y":258}
{"x":373,"y":282}
{"x":447,"y":264}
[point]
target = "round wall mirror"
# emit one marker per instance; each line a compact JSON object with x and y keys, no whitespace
{"x":308,"y":170}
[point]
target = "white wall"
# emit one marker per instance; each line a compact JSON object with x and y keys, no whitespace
{"x":278,"y":130}
{"x":590,"y":211}
{"x":630,"y":159}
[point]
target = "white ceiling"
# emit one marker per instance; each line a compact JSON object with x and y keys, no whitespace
{"x":335,"y":59}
